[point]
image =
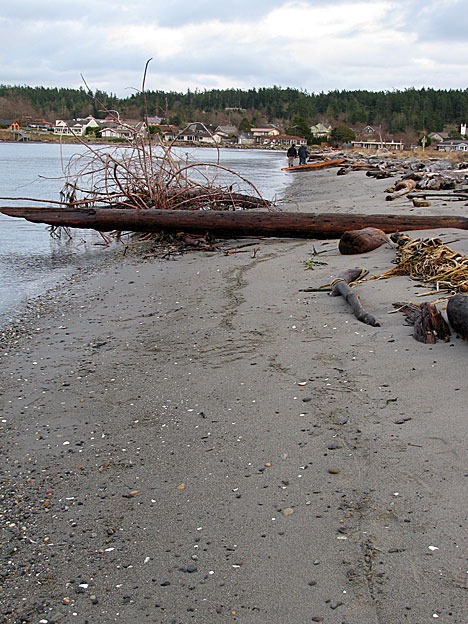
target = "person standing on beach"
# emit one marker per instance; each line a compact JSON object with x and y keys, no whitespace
{"x":291,"y":154}
{"x":303,"y":155}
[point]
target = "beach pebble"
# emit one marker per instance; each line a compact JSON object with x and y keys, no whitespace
{"x":333,"y":470}
{"x":340,"y":420}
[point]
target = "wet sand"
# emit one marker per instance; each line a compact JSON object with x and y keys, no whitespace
{"x":200,"y":440}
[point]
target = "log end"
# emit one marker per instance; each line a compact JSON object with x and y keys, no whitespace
{"x":362,"y":241}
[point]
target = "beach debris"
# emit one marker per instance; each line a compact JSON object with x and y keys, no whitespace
{"x":457,"y":314}
{"x":429,"y":261}
{"x":453,"y":196}
{"x":310,"y":263}
{"x":429,"y":324}
{"x":361,"y":241}
{"x":420,"y":203}
{"x":427,"y":174}
{"x":342,"y":286}
{"x":401,"y":188}
{"x":230,"y":223}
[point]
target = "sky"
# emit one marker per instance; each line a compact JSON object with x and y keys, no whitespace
{"x":312,"y":45}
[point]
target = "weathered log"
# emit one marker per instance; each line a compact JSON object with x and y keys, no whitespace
{"x":428,"y":323}
{"x":457,"y":314}
{"x":361,"y":241}
{"x":340,"y":286}
{"x":229,"y":223}
{"x":402,"y":188}
{"x":455,"y":195}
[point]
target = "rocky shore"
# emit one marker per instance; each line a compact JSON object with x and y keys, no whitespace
{"x":200,"y":440}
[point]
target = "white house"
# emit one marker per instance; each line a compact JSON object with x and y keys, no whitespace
{"x":453,"y":145}
{"x":75,"y":127}
{"x":321,"y":131}
{"x":266,"y":131}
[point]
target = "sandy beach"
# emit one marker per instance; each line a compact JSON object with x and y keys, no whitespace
{"x":200,"y":440}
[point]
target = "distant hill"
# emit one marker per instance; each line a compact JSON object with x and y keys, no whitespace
{"x":391,"y":112}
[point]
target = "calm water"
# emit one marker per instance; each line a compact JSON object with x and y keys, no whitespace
{"x":32,"y":262}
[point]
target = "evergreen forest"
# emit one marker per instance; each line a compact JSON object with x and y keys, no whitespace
{"x":394,"y":112}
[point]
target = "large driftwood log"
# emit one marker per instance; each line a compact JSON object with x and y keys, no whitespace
{"x":428,"y":323}
{"x":361,"y":241}
{"x":457,"y":314}
{"x":228,"y":223}
{"x":340,"y":286}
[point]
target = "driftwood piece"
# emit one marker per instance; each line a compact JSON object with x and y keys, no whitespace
{"x":454,"y":196}
{"x":229,"y":223}
{"x":428,"y":323}
{"x":361,"y":241}
{"x":340,"y":286}
{"x":402,"y":188}
{"x":379,"y":174}
{"x":420,"y":203}
{"x":457,"y":314}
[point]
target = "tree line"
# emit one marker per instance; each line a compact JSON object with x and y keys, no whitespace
{"x":397,"y":111}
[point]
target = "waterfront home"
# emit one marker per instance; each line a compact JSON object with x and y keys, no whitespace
{"x":75,"y":127}
{"x":437,"y":137}
{"x":453,"y":145}
{"x":167,"y":132}
{"x":197,"y":132}
{"x":123,"y":130}
{"x":321,"y":131}
{"x":286,"y":140}
{"x":265,"y":131}
{"x":390,"y":145}
{"x":10,"y":124}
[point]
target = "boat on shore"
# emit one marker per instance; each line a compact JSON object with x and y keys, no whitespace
{"x":319,"y":164}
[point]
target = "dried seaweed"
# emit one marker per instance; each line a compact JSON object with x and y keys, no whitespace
{"x":429,"y":261}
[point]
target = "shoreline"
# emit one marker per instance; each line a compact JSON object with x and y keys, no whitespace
{"x":199,"y":440}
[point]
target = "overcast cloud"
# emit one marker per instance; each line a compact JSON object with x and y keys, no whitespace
{"x":314,"y":45}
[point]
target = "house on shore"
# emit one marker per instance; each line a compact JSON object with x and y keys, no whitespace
{"x":123,"y":130}
{"x":109,"y":128}
{"x":10,"y":124}
{"x":453,"y":145}
{"x":286,"y":140}
{"x":263,"y":135}
{"x":389,"y":145}
{"x":167,"y":132}
{"x":437,"y":137}
{"x":321,"y":131}
{"x":75,"y":127}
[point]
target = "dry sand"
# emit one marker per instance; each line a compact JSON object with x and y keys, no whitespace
{"x":198,"y":440}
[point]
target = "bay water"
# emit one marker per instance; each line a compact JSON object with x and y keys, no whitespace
{"x":32,"y":262}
